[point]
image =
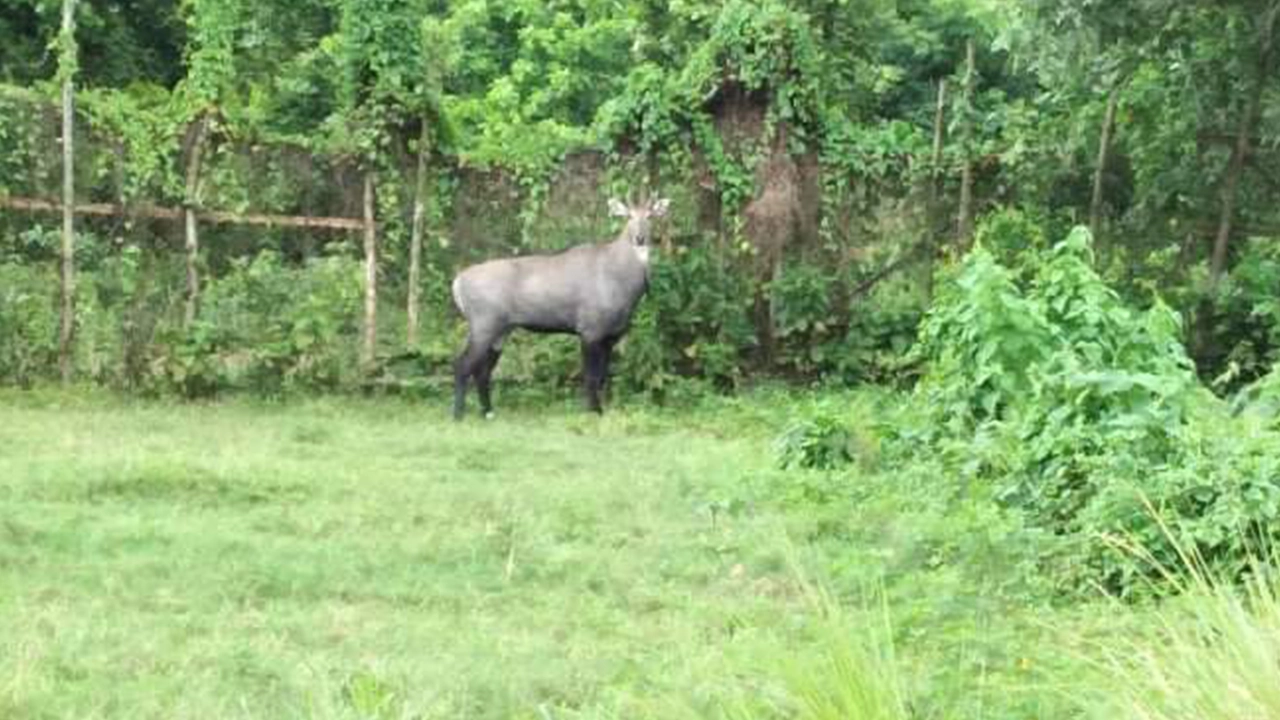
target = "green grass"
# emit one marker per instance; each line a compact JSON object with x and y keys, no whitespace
{"x":347,"y":558}
{"x":350,"y":558}
{"x":1211,"y":653}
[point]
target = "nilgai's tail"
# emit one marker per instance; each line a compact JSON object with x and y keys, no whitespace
{"x":457,"y":294}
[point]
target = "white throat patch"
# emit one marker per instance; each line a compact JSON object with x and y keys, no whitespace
{"x":642,"y":253}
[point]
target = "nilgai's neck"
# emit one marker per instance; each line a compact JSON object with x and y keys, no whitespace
{"x":628,"y":252}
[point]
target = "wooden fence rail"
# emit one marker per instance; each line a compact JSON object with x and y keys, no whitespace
{"x":164,"y":213}
{"x":146,"y":210}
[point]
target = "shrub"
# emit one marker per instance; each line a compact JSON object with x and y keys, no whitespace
{"x":1080,"y":411}
{"x":1241,"y":324}
{"x":821,"y":442}
{"x":1014,"y":238}
{"x":804,"y":305}
{"x":28,"y":323}
{"x":1261,"y":400}
{"x":693,"y":323}
{"x":982,"y":338}
{"x":270,"y":328}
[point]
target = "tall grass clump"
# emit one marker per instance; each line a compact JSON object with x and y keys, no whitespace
{"x":853,"y":672}
{"x":846,"y":669}
{"x":847,"y":680}
{"x":1212,"y":653}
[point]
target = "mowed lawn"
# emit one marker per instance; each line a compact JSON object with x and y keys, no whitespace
{"x":350,"y":558}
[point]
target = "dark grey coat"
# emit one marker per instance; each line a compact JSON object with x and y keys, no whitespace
{"x":590,"y":291}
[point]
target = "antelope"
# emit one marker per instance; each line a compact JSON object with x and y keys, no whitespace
{"x":589,"y":290}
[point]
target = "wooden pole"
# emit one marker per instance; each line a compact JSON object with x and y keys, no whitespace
{"x":415,"y":238}
{"x":192,"y":244}
{"x":370,"y":275}
{"x":67,"y":61}
{"x":935,"y":188}
{"x":964,"y":225}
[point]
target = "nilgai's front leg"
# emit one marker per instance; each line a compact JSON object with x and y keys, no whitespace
{"x":593,"y":364}
{"x":609,"y":344}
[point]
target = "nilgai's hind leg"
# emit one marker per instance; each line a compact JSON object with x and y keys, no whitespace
{"x":484,"y":374}
{"x":593,"y":368}
{"x":467,"y":365}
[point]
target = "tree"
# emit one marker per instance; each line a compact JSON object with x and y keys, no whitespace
{"x":213,"y":25}
{"x":1264,"y":55}
{"x":439,"y":52}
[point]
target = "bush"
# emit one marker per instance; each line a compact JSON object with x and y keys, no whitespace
{"x":1014,"y":238}
{"x":270,"y":328}
{"x":820,"y":442}
{"x":28,"y":323}
{"x":804,"y":304}
{"x":875,"y":346}
{"x":1261,"y":400}
{"x":1085,"y":415}
{"x":1241,"y":324}
{"x":693,"y":323}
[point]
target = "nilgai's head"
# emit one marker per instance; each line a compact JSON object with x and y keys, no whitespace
{"x":639,"y":230}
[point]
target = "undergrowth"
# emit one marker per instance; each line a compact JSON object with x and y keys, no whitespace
{"x":1049,"y":394}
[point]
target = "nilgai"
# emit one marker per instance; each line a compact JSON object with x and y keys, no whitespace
{"x":588,"y":290}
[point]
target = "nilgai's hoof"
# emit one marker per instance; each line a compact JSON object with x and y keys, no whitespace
{"x":489,"y":415}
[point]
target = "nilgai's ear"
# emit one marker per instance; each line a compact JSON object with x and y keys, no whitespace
{"x":660,"y":207}
{"x":618,"y":209}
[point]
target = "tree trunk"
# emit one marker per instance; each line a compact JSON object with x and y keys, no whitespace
{"x":964,"y":226}
{"x":1202,"y":341}
{"x":1235,"y":168}
{"x":192,"y":229}
{"x":66,"y":62}
{"x":415,"y":238}
{"x":935,"y":189}
{"x":1104,"y":152}
{"x":1187,"y":251}
{"x":370,"y":276}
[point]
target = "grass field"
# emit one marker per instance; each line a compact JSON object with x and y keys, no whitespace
{"x":371,"y":559}
{"x":348,"y":558}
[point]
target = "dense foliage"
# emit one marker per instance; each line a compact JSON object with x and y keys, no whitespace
{"x":1049,"y":394}
{"x":795,"y":137}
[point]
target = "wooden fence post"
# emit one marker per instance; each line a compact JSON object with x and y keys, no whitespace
{"x":415,"y":238}
{"x":192,"y":244}
{"x":935,"y":189}
{"x":370,"y":276}
{"x":964,"y":226}
{"x":67,"y":63}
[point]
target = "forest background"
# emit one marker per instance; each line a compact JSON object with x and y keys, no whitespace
{"x":827,"y":160}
